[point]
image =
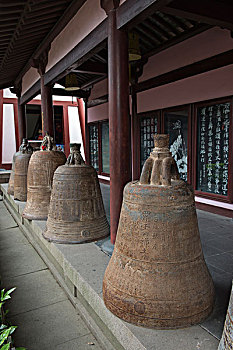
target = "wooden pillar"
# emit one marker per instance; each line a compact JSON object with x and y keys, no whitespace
{"x":46,"y":95}
{"x":87,"y":146}
{"x":1,"y":125}
{"x":119,"y":120}
{"x":46,"y":108}
{"x":21,"y":121}
{"x":135,"y":137}
{"x":66,"y":133}
{"x":81,"y":114}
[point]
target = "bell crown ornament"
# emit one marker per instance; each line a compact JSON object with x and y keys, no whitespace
{"x":160,"y":168}
{"x":157,"y":276}
{"x":41,"y":168}
{"x":75,"y":157}
{"x":76,"y":212}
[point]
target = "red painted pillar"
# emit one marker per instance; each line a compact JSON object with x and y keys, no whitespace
{"x":87,"y":145}
{"x":46,"y":108}
{"x":1,"y":122}
{"x":135,"y":137}
{"x":21,"y":122}
{"x":81,"y":113}
{"x":66,"y":134}
{"x":119,"y":120}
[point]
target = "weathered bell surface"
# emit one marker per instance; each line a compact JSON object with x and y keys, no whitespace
{"x":10,"y":189}
{"x":41,"y":168}
{"x":21,"y":169}
{"x":157,"y":276}
{"x":226,"y":342}
{"x":76,"y":212}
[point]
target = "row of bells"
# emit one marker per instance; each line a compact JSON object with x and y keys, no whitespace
{"x":157,"y":276}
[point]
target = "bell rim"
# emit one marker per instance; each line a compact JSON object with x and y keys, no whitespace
{"x":61,"y":241}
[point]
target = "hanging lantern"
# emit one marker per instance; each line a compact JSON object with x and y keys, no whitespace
{"x":10,"y":189}
{"x":76,"y":212}
{"x":71,"y":82}
{"x":157,"y":276}
{"x":134,"y":49}
{"x":41,"y":168}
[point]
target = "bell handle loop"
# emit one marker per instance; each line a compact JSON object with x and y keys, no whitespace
{"x":25,"y":147}
{"x":169,"y":171}
{"x":47,"y":143}
{"x":75,"y":158}
{"x":146,"y":172}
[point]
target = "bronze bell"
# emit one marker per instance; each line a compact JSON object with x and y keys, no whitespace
{"x":76,"y":212}
{"x":157,"y":276}
{"x":10,"y":189}
{"x":41,"y":168}
{"x":21,"y":169}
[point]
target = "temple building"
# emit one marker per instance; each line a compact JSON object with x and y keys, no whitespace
{"x":141,"y":67}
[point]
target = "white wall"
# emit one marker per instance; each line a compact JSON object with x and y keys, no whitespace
{"x":74,"y":128}
{"x":8,"y":94}
{"x":8,"y":132}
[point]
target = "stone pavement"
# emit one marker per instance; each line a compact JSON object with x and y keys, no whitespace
{"x":45,"y":317}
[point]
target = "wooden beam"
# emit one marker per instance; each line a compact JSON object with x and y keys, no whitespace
{"x":96,"y":68}
{"x":132,"y":12}
{"x":206,"y":65}
{"x":79,"y":54}
{"x":31,"y":93}
{"x":97,"y":101}
{"x":211,"y":12}
{"x":92,"y":82}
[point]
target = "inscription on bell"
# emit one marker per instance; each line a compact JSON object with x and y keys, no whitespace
{"x":76,"y":212}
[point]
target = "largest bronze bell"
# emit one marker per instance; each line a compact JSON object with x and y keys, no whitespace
{"x":21,"y":169}
{"x":10,"y":189}
{"x":76,"y":212}
{"x":41,"y":168}
{"x":157,"y":276}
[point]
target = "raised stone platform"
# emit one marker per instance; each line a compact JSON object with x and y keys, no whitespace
{"x":79,"y":269}
{"x":4,"y":176}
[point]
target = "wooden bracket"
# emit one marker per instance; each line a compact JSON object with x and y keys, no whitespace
{"x":108,"y":5}
{"x":41,"y":62}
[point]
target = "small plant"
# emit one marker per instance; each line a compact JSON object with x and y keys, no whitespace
{"x":5,"y":331}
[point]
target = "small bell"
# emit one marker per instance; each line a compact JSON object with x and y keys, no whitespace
{"x":21,"y":169}
{"x":10,"y":189}
{"x":76,"y":212}
{"x":41,"y":168}
{"x":157,"y":276}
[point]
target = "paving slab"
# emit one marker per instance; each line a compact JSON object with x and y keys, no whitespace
{"x":18,"y":260}
{"x":87,"y":342}
{"x":191,"y":338}
{"x":49,"y":326}
{"x":33,"y":291}
{"x":6,"y":220}
{"x":10,"y":236}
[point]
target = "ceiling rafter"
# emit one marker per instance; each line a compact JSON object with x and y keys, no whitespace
{"x":27,"y":8}
{"x":217,"y":13}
